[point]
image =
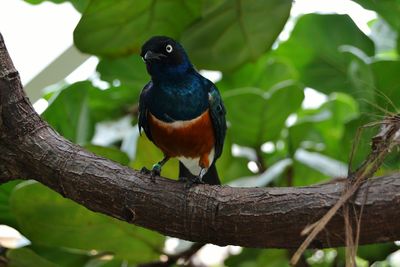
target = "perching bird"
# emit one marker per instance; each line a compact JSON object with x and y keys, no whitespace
{"x":181,"y":112}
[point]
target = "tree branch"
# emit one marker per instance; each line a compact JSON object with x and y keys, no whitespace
{"x":251,"y":217}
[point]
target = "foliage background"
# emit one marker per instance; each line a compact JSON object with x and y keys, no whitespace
{"x":263,"y":84}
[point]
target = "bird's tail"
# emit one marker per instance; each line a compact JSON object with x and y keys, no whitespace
{"x":211,"y":177}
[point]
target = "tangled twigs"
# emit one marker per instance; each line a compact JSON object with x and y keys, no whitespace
{"x":382,"y":144}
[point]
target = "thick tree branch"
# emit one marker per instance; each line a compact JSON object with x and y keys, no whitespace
{"x":251,"y":217}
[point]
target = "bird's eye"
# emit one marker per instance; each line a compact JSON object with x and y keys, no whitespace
{"x":169,"y":48}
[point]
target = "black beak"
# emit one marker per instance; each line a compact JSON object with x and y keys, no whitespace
{"x":151,"y":55}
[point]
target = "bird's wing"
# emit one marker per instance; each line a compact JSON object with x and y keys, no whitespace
{"x":143,"y":123}
{"x":217,"y":112}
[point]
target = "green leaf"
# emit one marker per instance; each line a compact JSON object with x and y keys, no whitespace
{"x":387,"y":82}
{"x":25,"y":257}
{"x":69,"y":114}
{"x":129,"y":71}
{"x":319,"y":162}
{"x":110,"y":153}
{"x":250,"y":257}
{"x":230,"y":167}
{"x":326,"y":127}
{"x":52,"y":220}
{"x":273,"y":172}
{"x":112,"y":103}
{"x":264,"y":74}
{"x":260,"y":117}
{"x":376,"y":252}
{"x":320,"y":52}
{"x":80,"y":5}
{"x":74,"y":110}
{"x":115,"y":28}
{"x":61,"y":256}
{"x":6,"y":215}
{"x":388,"y":9}
{"x":385,"y":39}
{"x":235,"y":32}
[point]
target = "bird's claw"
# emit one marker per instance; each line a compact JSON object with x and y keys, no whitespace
{"x":191,"y":181}
{"x":144,"y":170}
{"x":155,"y":171}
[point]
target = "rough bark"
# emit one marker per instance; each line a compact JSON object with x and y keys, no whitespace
{"x":251,"y":217}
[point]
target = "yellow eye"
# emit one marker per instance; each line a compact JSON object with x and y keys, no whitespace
{"x":169,"y":48}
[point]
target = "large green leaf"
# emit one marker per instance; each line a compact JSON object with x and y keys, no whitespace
{"x":235,"y":32}
{"x":112,"y":103}
{"x":62,"y":256}
{"x":325,"y":126}
{"x":69,"y":113}
{"x":74,"y":110}
{"x":257,"y":117}
{"x":387,"y":82}
{"x":52,"y":220}
{"x":6,"y":215}
{"x":264,"y":73}
{"x":115,"y":28}
{"x":80,"y":5}
{"x":25,"y":257}
{"x":129,"y":71}
{"x":110,"y":153}
{"x":320,"y":52}
{"x":388,"y":9}
{"x":259,"y":258}
{"x":35,"y":256}
{"x":230,"y":167}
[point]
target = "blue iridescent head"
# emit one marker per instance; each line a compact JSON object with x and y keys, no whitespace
{"x":165,"y":57}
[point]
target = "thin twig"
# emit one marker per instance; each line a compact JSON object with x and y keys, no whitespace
{"x":382,"y":144}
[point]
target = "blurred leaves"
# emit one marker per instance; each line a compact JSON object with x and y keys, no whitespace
{"x":6,"y":215}
{"x":249,"y":129}
{"x":25,"y":257}
{"x":259,"y":258}
{"x":129,"y":71}
{"x":70,"y":225}
{"x":74,"y":110}
{"x":80,"y":5}
{"x":109,"y":152}
{"x":69,"y":113}
{"x":235,"y":32}
{"x":47,"y":257}
{"x":110,"y":29}
{"x":318,"y":50}
{"x":388,"y":9}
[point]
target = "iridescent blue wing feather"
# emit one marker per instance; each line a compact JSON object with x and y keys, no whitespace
{"x":217,"y":112}
{"x":143,"y":123}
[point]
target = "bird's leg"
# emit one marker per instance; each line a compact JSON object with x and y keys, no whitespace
{"x":197,"y":179}
{"x":156,"y":170}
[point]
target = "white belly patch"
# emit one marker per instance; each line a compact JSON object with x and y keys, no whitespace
{"x":192,"y":164}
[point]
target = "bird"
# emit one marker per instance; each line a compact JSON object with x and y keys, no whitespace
{"x":181,"y":112}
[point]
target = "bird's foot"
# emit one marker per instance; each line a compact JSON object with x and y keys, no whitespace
{"x":155,"y":171}
{"x":144,"y":170}
{"x":193,"y":180}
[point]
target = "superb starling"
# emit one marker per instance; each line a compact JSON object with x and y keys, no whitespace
{"x":181,"y":112}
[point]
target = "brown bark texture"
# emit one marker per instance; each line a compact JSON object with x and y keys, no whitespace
{"x":250,"y":217}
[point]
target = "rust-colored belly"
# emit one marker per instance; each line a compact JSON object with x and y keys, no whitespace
{"x":191,"y":139}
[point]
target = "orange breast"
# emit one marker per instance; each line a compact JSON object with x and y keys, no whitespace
{"x":191,"y":139}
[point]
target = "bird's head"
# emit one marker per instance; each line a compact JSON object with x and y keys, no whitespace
{"x":165,"y":57}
